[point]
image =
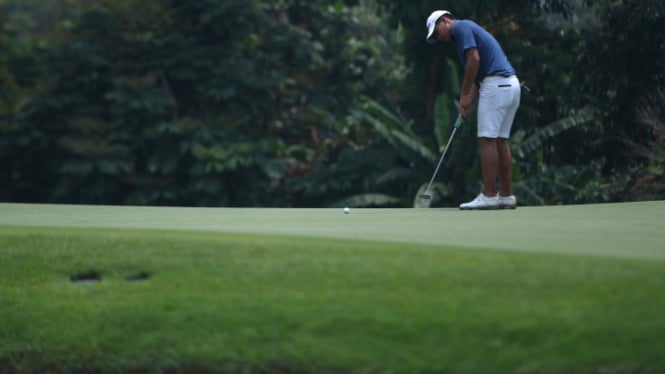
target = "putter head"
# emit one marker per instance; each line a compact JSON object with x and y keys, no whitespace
{"x":426,"y":196}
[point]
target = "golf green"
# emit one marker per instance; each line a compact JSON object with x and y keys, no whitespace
{"x":634,"y":230}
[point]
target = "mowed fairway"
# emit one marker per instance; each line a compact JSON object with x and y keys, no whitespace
{"x":571,"y":289}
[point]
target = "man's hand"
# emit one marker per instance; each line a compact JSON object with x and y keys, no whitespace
{"x":465,"y":104}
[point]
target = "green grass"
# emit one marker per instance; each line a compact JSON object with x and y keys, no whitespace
{"x":279,"y":290}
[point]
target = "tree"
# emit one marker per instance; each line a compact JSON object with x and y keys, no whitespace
{"x":622,"y":65}
{"x":305,"y":103}
{"x":167,"y":102}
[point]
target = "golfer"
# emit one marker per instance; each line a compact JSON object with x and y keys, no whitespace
{"x":489,"y":75}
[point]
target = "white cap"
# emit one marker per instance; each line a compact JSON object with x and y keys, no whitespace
{"x":431,"y":23}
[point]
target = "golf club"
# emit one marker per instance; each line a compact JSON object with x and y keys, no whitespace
{"x":427,"y":195}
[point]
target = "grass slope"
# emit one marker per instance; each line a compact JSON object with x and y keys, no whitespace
{"x":296,"y":298}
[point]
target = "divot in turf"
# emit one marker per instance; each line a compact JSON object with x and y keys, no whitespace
{"x":88,"y":276}
{"x":141,"y":276}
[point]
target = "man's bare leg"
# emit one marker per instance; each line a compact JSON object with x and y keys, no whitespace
{"x":489,"y":162}
{"x":505,"y":162}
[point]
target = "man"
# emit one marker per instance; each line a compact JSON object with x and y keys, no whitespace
{"x":487,"y":73}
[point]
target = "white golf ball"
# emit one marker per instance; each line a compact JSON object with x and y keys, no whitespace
{"x":346,"y":210}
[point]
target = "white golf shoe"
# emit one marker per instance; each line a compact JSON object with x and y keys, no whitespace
{"x":481,"y":202}
{"x":507,"y":202}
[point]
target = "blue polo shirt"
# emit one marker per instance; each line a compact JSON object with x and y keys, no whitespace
{"x":493,"y":61}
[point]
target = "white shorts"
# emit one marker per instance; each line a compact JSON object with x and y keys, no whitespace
{"x":498,"y":101}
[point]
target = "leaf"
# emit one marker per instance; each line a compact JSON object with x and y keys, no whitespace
{"x":381,"y":113}
{"x":442,"y":119}
{"x":550,"y":131}
{"x":395,"y":131}
{"x":366,"y":200}
{"x":394,"y":175}
{"x":415,"y":145}
{"x":445,"y":107}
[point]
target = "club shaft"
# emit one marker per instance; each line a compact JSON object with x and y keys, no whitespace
{"x":443,"y":155}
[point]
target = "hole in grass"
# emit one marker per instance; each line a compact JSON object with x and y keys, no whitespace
{"x":138,"y":277}
{"x":89,"y":276}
